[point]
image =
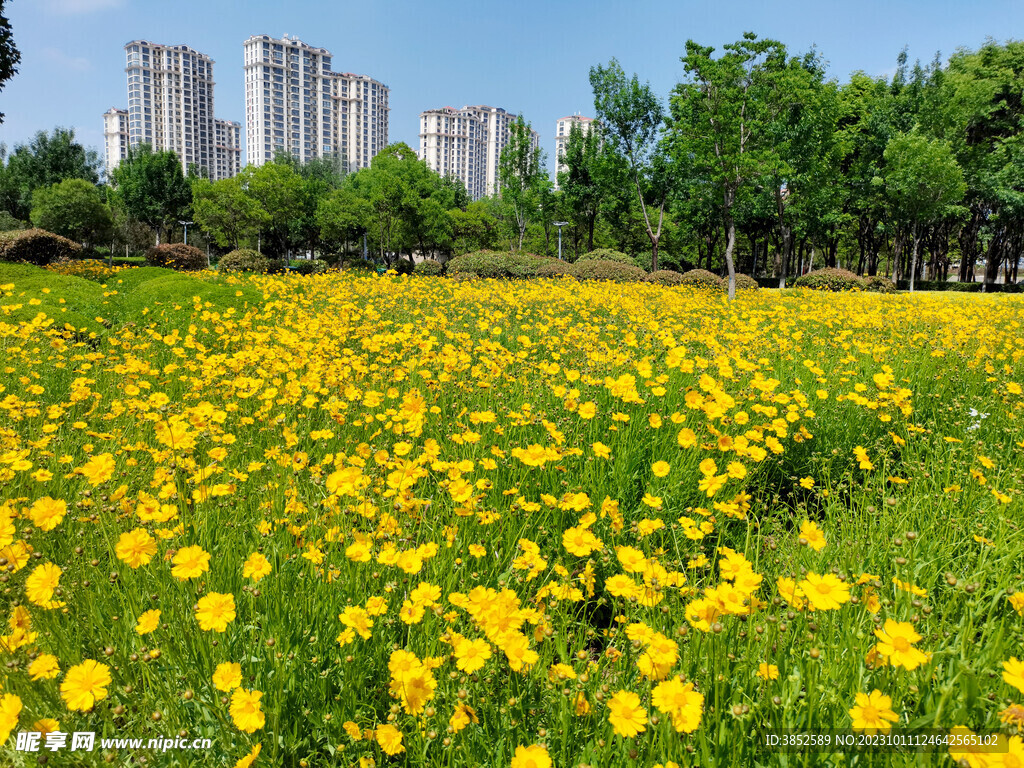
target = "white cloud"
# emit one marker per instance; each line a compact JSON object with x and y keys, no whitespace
{"x":74,"y":7}
{"x":61,"y":59}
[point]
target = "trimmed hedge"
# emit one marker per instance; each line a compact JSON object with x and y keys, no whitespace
{"x":429,"y":267}
{"x":36,"y":246}
{"x":830,"y":279}
{"x":310,"y":267}
{"x":743,"y":283}
{"x":554,"y":268}
{"x":665,"y":277}
{"x":607,"y":270}
{"x":495,"y":264}
{"x":879,"y":284}
{"x":701,"y":278}
{"x":184,"y":258}
{"x":243,"y":260}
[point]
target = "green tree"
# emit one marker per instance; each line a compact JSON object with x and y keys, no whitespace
{"x":151,"y":188}
{"x":9,"y":54}
{"x":75,"y":209}
{"x":721,"y":117}
{"x":631,"y":117}
{"x":580,"y":182}
{"x":520,"y":176}
{"x":922,"y":181}
{"x":46,"y":160}
{"x":227,"y":212}
{"x":278,"y":190}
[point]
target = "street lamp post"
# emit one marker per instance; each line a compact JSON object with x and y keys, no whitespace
{"x":559,"y":224}
{"x":185,"y":224}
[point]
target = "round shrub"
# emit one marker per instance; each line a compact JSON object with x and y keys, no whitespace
{"x":665,"y":277}
{"x":402,"y":266}
{"x":607,"y":254}
{"x":701,"y":278}
{"x":607,"y":270}
{"x":243,"y":260}
{"x":554,"y":268}
{"x":310,"y":267}
{"x":496,"y":264}
{"x":743,"y":283}
{"x":830,"y":279}
{"x":185,"y":258}
{"x":430,"y":267}
{"x":36,"y":246}
{"x":277,"y":266}
{"x":879,"y":284}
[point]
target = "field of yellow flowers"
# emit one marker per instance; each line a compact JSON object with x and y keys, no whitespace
{"x":398,"y":521}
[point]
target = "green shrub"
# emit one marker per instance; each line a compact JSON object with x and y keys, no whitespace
{"x":496,"y":264}
{"x":743,"y":283}
{"x":701,"y":278}
{"x":178,"y":256}
{"x":553,"y":268}
{"x":402,"y":266}
{"x":429,"y":267}
{"x":607,"y":270}
{"x":830,"y":279}
{"x":310,"y":267}
{"x":879,"y":284}
{"x":665,"y":277}
{"x":607,"y":254}
{"x":277,"y":266}
{"x":36,"y":246}
{"x":243,"y":260}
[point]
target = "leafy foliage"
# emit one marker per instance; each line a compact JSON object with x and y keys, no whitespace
{"x":429,"y":267}
{"x":177,"y":256}
{"x":243,"y":260}
{"x":702,"y":278}
{"x":607,"y":270}
{"x":665,"y":277}
{"x":830,"y":279}
{"x":36,"y":246}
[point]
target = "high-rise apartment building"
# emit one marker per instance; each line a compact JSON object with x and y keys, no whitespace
{"x":227,"y":146}
{"x":562,"y":128}
{"x":170,"y":107}
{"x":295,"y":103}
{"x":467,"y":143}
{"x":115,"y":137}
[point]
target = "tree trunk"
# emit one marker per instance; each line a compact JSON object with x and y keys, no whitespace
{"x":913,"y":256}
{"x":730,"y":240}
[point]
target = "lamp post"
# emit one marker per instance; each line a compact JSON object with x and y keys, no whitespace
{"x":185,"y":225}
{"x":559,"y":224}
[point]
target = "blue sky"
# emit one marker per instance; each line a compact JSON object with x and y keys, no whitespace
{"x":528,"y":56}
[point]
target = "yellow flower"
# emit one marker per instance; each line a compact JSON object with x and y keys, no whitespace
{"x":227,"y":676}
{"x":135,"y":548}
{"x":872,"y":713}
{"x":147,"y":622}
{"x":471,"y":655}
{"x":461,"y":717}
{"x":824,"y":593}
{"x":98,"y":469}
{"x":215,"y":611}
{"x":626,"y":715}
{"x":190,"y":562}
{"x":10,"y":711}
{"x":47,"y":513}
{"x":810,"y":533}
{"x":1017,"y":601}
{"x":256,"y":567}
{"x":680,"y":702}
{"x":41,"y":584}
{"x":84,"y":685}
{"x":768,"y":671}
{"x":897,"y":644}
{"x":1013,"y":673}
{"x":390,"y":739}
{"x":245,"y":710}
{"x":660,"y":468}
{"x":249,"y":759}
{"x":45,"y":667}
{"x":533,"y":756}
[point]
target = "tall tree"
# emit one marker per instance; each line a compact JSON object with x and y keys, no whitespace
{"x":9,"y":53}
{"x":520,"y":176}
{"x":151,"y":188}
{"x":922,"y":180}
{"x":75,"y":209}
{"x":227,"y":212}
{"x":44,"y":161}
{"x":631,"y":117}
{"x":721,"y":116}
{"x":580,"y":182}
{"x":278,"y":190}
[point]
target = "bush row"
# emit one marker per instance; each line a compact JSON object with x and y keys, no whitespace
{"x":36,"y":246}
{"x":833,"y":279}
